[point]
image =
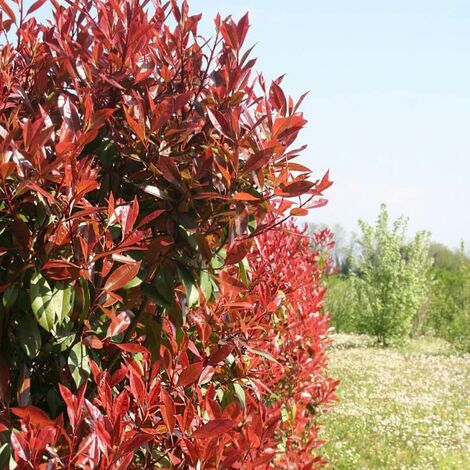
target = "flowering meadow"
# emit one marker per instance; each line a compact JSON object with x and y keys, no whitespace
{"x":399,"y":408}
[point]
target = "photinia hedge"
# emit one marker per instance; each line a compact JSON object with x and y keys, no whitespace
{"x":158,"y":310}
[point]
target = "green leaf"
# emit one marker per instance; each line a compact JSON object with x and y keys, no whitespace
{"x":64,"y":336}
{"x":86,"y":299}
{"x":5,"y":453}
{"x":164,"y":284}
{"x":206,"y":284}
{"x":28,"y":334}
{"x":192,"y":293}
{"x":10,"y":296}
{"x":243,"y":265}
{"x":218,"y":261}
{"x":137,"y":281}
{"x":78,"y":363}
{"x":41,"y":302}
{"x":179,"y":335}
{"x":62,"y":298}
{"x":106,"y":152}
{"x":153,"y":336}
{"x":177,"y":314}
{"x":151,"y":292}
{"x":240,"y":394}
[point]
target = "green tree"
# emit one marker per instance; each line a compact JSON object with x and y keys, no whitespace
{"x":392,"y":277}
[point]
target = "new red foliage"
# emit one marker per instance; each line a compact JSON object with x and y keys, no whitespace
{"x":157,"y":311}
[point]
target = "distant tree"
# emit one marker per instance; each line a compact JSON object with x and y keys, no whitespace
{"x":393,"y":277}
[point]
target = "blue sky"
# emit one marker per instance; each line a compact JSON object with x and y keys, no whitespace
{"x":389,"y":102}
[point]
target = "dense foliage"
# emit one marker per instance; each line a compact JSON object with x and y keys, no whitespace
{"x":149,"y":317}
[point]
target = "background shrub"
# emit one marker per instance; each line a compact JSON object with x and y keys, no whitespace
{"x":389,"y":282}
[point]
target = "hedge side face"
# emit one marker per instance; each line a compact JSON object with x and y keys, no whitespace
{"x":157,"y":310}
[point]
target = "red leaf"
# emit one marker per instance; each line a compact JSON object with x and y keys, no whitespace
{"x":150,"y":217}
{"x":60,"y":270}
{"x":258,"y":160}
{"x":162,"y":114}
{"x":242,"y":29}
{"x":69,"y":113}
{"x":220,"y":354}
{"x":121,"y":276}
{"x":6,"y":169}
{"x":100,"y":117}
{"x":169,"y":169}
{"x":214,"y":428}
{"x":21,"y":233}
{"x":6,"y":8}
{"x":219,"y":122}
{"x":229,"y":33}
{"x":118,"y":324}
{"x":135,"y":126}
{"x":84,"y":187}
{"x":35,"y":6}
{"x":245,"y":197}
{"x":168,"y":410}
{"x":323,"y":184}
{"x":35,"y":187}
{"x":93,"y":342}
{"x":20,"y":446}
{"x":231,"y":283}
{"x":135,"y":443}
{"x":277,"y":98}
{"x":24,"y":387}
{"x":316,"y":202}
{"x":298,"y":211}
{"x":190,"y":374}
{"x":237,"y":252}
{"x":132,"y":347}
{"x":296,"y":188}
{"x":206,"y":375}
{"x":285,"y":126}
{"x":67,"y":396}
{"x":34,"y":415}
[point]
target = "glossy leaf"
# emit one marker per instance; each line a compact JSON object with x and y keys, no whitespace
{"x":28,"y":334}
{"x":41,"y":302}
{"x":78,"y":363}
{"x":189,"y":375}
{"x":214,"y":428}
{"x":121,"y":276}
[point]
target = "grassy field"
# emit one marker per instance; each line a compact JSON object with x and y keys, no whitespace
{"x":401,"y":408}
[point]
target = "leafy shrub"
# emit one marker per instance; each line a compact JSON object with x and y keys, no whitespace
{"x":149,"y":317}
{"x":392,"y":278}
